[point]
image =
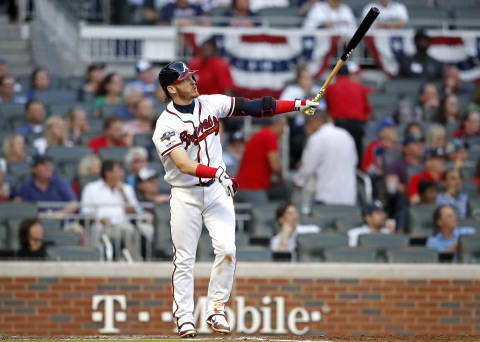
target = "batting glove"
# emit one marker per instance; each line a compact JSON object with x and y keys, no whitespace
{"x":302,"y":105}
{"x":228,"y":182}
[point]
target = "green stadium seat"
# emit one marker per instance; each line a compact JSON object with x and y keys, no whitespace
{"x":253,"y":253}
{"x":469,"y":249}
{"x":456,"y":4}
{"x":62,"y":155}
{"x":11,"y":114}
{"x":347,"y":254}
{"x":281,"y":16}
{"x":263,"y":220}
{"x":62,"y":238}
{"x":329,"y":213}
{"x":423,"y":12}
{"x":344,"y":224}
{"x":421,"y":219}
{"x":143,"y":139}
{"x":62,"y":109}
{"x":73,"y":253}
{"x":113,"y":153}
{"x":412,"y":255}
{"x":467,"y":13}
{"x":311,"y":247}
{"x":86,"y":137}
{"x":110,"y":109}
{"x":20,"y":170}
{"x":49,"y":97}
{"x":403,"y":86}
{"x":382,"y":242}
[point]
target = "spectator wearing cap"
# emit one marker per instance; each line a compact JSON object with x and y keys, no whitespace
{"x":147,"y":189}
{"x":303,"y":88}
{"x":457,"y":154}
{"x":373,"y":157}
{"x":428,"y":101}
{"x":34,"y":117}
{"x":420,"y":65}
{"x":332,"y":14}
{"x":39,"y":81}
{"x":352,"y":114}
{"x":449,"y":110}
{"x":330,"y":158}
{"x":143,"y":122}
{"x":145,"y":77}
{"x":113,"y":135}
{"x":470,"y":126}
{"x":375,"y":220}
{"x":94,"y":76}
{"x":434,"y":169}
{"x":452,"y":194}
{"x":233,"y":152}
{"x":180,"y":12}
{"x":448,"y":231}
{"x":45,"y":187}
{"x":213,"y":75}
{"x":7,"y":91}
{"x":393,"y":14}
{"x":110,"y":91}
{"x":135,"y":160}
{"x":31,"y":240}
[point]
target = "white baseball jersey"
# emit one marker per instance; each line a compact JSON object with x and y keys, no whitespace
{"x":197,"y":133}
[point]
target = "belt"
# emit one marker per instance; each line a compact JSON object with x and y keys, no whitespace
{"x":205,"y":184}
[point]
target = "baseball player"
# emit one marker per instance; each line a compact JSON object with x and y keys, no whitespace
{"x":187,"y":141}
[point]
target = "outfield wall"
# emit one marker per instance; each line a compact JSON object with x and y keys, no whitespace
{"x":53,"y":298}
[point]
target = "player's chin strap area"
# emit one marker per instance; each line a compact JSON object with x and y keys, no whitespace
{"x":262,"y":108}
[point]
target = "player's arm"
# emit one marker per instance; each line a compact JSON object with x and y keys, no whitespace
{"x":268,"y":106}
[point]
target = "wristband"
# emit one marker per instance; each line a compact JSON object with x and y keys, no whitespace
{"x":284,"y":106}
{"x":204,"y":171}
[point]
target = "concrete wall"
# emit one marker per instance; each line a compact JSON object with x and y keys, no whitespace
{"x":303,"y":299}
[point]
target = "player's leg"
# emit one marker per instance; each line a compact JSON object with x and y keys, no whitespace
{"x":219,"y":218}
{"x":185,"y":229}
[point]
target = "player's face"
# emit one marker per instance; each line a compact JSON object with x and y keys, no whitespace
{"x":187,"y":89}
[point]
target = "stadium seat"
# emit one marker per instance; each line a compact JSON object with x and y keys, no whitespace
{"x":382,"y":242}
{"x":456,"y":4}
{"x":474,"y":205}
{"x":344,"y":224}
{"x":421,"y":219}
{"x":11,"y":114}
{"x":110,"y":109}
{"x":347,"y":254}
{"x":62,"y":109}
{"x":21,"y":171}
{"x":142,"y":139}
{"x":329,"y":213}
{"x":467,"y":13}
{"x":86,"y":137}
{"x":55,"y":96}
{"x":422,"y":12}
{"x":403,"y":86}
{"x":113,"y":153}
{"x":263,"y":220}
{"x":469,"y":249}
{"x":62,"y":238}
{"x":412,"y":255}
{"x":281,"y":16}
{"x":75,"y":82}
{"x":254,"y":253}
{"x":310,"y":247}
{"x":62,"y":155}
{"x":415,"y":3}
{"x":73,"y":253}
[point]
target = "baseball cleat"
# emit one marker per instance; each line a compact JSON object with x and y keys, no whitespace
{"x":218,"y":323}
{"x":187,"y":330}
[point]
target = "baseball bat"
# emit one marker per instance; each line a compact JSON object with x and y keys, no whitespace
{"x":352,"y":44}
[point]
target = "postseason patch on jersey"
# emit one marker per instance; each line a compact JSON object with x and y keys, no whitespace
{"x":166,"y":138}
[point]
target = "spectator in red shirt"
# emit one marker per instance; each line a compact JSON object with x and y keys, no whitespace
{"x":260,"y":161}
{"x":347,"y":103}
{"x":470,"y":126}
{"x":113,"y":135}
{"x":434,"y":169}
{"x":476,"y":177}
{"x":213,"y":76}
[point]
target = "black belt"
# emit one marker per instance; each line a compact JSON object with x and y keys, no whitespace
{"x":210,"y":182}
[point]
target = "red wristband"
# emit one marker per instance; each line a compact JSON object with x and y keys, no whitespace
{"x":204,"y":171}
{"x":284,"y":106}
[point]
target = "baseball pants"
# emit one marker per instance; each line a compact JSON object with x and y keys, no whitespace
{"x":188,"y":206}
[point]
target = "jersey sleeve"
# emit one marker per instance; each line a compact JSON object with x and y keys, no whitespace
{"x":222,"y":105}
{"x":166,"y":139}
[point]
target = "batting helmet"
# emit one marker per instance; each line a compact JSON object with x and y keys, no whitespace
{"x":172,"y":73}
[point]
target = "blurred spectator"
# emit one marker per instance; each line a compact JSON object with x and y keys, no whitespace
{"x":13,"y":150}
{"x":303,"y":88}
{"x":213,"y":71}
{"x":44,"y":187}
{"x":330,"y":157}
{"x":109,"y":92}
{"x":31,"y":240}
{"x":448,"y":111}
{"x":420,"y":65}
{"x":288,"y":227}
{"x":146,"y":79}
{"x":474,"y":105}
{"x":180,"y":12}
{"x":470,"y":126}
{"x":414,"y":128}
{"x":428,"y":102}
{"x":375,"y":222}
{"x":352,"y":114}
{"x":39,"y":81}
{"x":135,"y":160}
{"x":5,"y":192}
{"x":3,"y":67}
{"x":232,"y":154}
{"x":113,"y":135}
{"x":436,"y":137}
{"x":55,"y":134}
{"x":476,"y":177}
{"x":88,"y":166}
{"x":240,"y":14}
{"x":34,"y":117}
{"x":446,"y":240}
{"x":77,"y":124}
{"x":457,"y":153}
{"x":404,"y":111}
{"x":260,"y":161}
{"x":109,"y":201}
{"x":94,"y":77}
{"x":331,"y":14}
{"x":452,"y":194}
{"x":393,"y":14}
{"x":428,"y":192}
{"x":7,"y":91}
{"x":373,"y":158}
{"x":132,"y":96}
{"x":147,"y":188}
{"x":143,"y":122}
{"x":434,"y":169}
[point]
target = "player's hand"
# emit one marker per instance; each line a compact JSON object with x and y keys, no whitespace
{"x":303,"y":105}
{"x":228,"y":182}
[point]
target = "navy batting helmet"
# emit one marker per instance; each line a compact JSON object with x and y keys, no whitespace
{"x":172,"y":73}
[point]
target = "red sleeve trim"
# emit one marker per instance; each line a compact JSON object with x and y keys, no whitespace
{"x":170,"y":148}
